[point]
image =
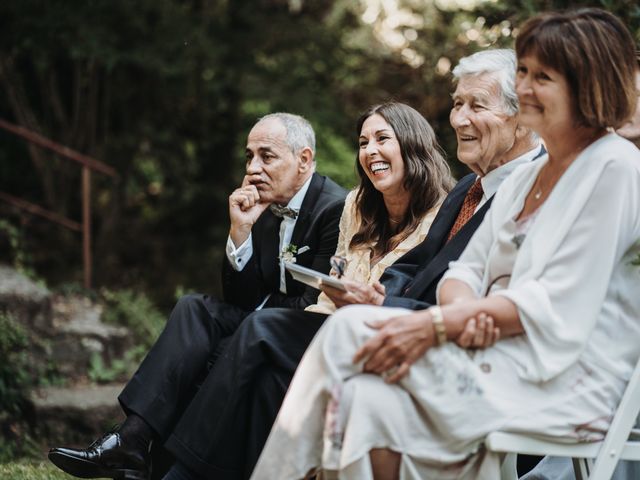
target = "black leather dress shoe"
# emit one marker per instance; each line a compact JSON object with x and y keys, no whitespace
{"x":107,"y":457}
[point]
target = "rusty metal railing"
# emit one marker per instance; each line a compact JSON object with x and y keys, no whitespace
{"x":88,"y":164}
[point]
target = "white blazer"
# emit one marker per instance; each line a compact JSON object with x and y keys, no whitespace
{"x":577,"y":294}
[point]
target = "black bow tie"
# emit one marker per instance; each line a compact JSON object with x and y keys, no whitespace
{"x":281,"y":212}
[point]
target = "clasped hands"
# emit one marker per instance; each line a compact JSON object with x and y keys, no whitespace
{"x":400,"y":341}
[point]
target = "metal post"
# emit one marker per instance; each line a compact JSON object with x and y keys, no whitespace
{"x":86,"y":225}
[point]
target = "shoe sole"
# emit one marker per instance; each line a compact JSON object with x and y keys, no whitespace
{"x":86,"y":469}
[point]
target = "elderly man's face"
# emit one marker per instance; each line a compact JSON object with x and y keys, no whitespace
{"x":486,"y":133}
{"x":271,"y":165}
{"x":631,"y":130}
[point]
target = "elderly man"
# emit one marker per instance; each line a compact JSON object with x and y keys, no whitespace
{"x":250,"y":381}
{"x":281,"y":202}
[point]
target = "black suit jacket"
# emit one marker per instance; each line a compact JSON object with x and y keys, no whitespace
{"x":411,"y":282}
{"x":317,"y":227}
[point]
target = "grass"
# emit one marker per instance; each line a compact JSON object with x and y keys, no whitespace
{"x":31,"y":470}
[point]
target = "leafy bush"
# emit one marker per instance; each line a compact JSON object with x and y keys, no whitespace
{"x":15,"y":380}
{"x":135,"y":311}
{"x":119,"y":369}
{"x":18,"y":256}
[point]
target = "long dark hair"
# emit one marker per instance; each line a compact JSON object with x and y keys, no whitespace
{"x":427,"y":178}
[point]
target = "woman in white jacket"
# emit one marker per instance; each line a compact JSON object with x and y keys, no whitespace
{"x":382,"y":394}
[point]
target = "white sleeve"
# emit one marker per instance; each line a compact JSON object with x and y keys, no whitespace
{"x":560,"y":306}
{"x":239,"y":257}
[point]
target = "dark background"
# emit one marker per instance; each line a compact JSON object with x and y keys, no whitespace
{"x":165,"y":91}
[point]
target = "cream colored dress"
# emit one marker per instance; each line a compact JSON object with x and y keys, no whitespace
{"x":572,"y":279}
{"x":359,"y":260}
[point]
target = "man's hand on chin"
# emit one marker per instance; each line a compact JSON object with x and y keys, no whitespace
{"x":245,"y":208}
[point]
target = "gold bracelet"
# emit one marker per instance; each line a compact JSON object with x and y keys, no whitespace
{"x":438,"y":324}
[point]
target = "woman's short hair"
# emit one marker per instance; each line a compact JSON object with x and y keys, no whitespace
{"x":595,"y":52}
{"x":427,"y":177}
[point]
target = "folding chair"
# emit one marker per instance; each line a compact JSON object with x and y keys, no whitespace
{"x":593,"y":461}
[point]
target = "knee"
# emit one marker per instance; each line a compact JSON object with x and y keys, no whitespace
{"x":351,"y":318}
{"x":188,"y":308}
{"x":189,"y":301}
{"x":254,"y":325}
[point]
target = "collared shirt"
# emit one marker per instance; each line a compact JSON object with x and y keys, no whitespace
{"x":492,"y":180}
{"x":239,"y":257}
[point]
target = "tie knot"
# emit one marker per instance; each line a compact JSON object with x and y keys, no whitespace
{"x":280,"y":211}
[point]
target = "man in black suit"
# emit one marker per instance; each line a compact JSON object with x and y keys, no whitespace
{"x":248,"y":383}
{"x":280,"y":203}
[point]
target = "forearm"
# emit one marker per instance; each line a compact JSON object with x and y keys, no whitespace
{"x":453,"y":291}
{"x":503,"y":311}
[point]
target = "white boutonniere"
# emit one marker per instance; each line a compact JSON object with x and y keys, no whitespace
{"x":290,"y":251}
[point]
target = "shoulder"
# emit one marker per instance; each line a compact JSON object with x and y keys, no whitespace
{"x":464,"y":183}
{"x":324,"y":197}
{"x":350,"y":201}
{"x":328,"y":188}
{"x":616,"y":152}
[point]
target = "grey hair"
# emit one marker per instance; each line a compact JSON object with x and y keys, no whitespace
{"x":502,"y":63}
{"x":300,"y":133}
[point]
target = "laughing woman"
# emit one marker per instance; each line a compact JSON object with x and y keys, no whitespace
{"x":403,"y":180}
{"x":552,"y":263}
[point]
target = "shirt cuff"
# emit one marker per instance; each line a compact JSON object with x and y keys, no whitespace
{"x":239,"y":257}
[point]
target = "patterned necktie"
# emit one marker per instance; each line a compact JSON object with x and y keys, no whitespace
{"x":471,"y":201}
{"x":280,"y":211}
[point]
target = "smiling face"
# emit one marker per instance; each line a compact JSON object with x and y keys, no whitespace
{"x":486,"y":133}
{"x":271,"y":165}
{"x":380,"y":156}
{"x":545,"y":98}
{"x":631,"y":129}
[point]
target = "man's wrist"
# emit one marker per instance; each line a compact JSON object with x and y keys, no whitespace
{"x":239,"y":235}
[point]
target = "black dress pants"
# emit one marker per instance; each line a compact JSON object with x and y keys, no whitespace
{"x":223,"y":429}
{"x":167,"y":379}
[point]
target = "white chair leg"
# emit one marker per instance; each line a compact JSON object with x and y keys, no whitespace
{"x":581,"y":468}
{"x":508,"y":470}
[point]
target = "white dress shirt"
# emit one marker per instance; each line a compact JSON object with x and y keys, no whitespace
{"x":492,"y":180}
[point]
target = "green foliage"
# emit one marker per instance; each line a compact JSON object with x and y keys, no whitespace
{"x":31,"y":471}
{"x":135,"y":311}
{"x":636,"y":261}
{"x":165,"y":92}
{"x":119,"y":369}
{"x":15,"y":377}
{"x":19,"y":257}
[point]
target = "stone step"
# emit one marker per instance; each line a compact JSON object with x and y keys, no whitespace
{"x":28,"y":302}
{"x":75,"y":416}
{"x":79,"y":335}
{"x":65,"y":330}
